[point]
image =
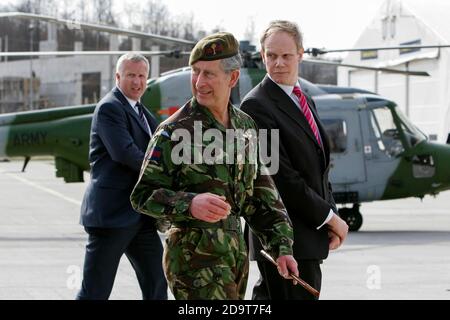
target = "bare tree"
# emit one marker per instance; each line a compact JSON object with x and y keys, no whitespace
{"x":155,"y":17}
{"x":131,"y":15}
{"x":5,"y":7}
{"x":25,"y":6}
{"x":150,"y":16}
{"x":47,"y":7}
{"x":190,"y":28}
{"x":80,"y":12}
{"x":102,"y":12}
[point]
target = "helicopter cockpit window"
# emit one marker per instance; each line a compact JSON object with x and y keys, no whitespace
{"x":412,"y":133}
{"x":337,"y":134}
{"x":386,"y":133}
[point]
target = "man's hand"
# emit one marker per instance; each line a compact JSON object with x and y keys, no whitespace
{"x":339,"y":227}
{"x":209,"y":207}
{"x":335,"y":241}
{"x":286,"y":265}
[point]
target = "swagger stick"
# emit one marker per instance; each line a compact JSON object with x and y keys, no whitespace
{"x":302,"y":282}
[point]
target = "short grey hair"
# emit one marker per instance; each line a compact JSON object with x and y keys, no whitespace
{"x":231,"y":63}
{"x":289,"y":27}
{"x":131,"y":56}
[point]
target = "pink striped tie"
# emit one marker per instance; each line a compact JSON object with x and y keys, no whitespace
{"x":307,"y":112}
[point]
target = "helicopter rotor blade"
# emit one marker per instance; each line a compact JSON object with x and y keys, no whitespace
{"x":411,"y":73}
{"x":257,"y":56}
{"x":171,"y":53}
{"x":319,"y":51}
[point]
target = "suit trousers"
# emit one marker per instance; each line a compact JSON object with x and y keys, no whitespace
{"x":142,"y":246}
{"x":271,"y":286}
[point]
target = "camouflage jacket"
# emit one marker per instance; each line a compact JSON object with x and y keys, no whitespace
{"x":166,"y":187}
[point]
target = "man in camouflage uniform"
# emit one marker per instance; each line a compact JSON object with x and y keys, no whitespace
{"x":205,"y":256}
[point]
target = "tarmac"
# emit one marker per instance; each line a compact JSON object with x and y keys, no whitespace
{"x":401,"y":252}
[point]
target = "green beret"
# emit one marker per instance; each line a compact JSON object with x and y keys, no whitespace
{"x":217,"y":46}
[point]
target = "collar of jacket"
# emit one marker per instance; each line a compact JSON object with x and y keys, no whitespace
{"x":119,"y":95}
{"x":197,"y":108}
{"x":128,"y":108}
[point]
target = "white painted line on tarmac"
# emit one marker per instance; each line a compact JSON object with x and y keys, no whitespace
{"x":42,"y":188}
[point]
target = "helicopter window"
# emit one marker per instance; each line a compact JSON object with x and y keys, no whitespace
{"x":337,"y":134}
{"x":384,"y":23}
{"x":377,"y":132}
{"x":412,"y":133}
{"x":385,"y":131}
{"x":90,"y":88}
{"x":392,"y":26}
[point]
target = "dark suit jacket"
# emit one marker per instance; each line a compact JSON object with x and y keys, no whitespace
{"x":118,"y":143}
{"x":302,"y":178}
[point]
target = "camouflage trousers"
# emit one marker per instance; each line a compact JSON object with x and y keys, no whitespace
{"x":205,"y":264}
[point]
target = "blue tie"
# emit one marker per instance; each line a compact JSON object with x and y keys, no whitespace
{"x":141,"y":115}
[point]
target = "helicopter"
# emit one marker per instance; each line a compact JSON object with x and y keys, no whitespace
{"x":376,"y":152}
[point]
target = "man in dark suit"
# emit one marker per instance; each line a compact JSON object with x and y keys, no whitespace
{"x":278,"y":103}
{"x":120,"y":132}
